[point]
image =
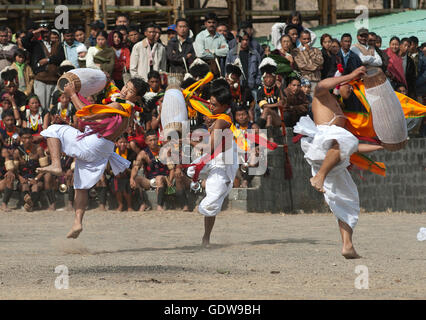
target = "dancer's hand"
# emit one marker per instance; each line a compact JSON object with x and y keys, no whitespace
{"x":69,"y":89}
{"x":359,"y":72}
{"x":132,"y":183}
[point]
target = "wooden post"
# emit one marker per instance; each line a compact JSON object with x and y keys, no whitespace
{"x":87,"y":18}
{"x":243,"y":16}
{"x":104,"y":14}
{"x":96,"y":10}
{"x":333,"y":15}
{"x":324,"y":12}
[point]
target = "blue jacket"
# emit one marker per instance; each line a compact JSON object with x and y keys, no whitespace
{"x":253,"y":76}
{"x":353,"y":61}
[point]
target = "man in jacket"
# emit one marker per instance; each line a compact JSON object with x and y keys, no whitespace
{"x":147,"y":55}
{"x":180,"y":51}
{"x":349,"y":59}
{"x":368,"y":55}
{"x":7,"y":50}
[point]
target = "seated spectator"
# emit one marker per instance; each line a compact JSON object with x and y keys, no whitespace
{"x":82,"y":53}
{"x":154,"y":170}
{"x":30,"y":182}
{"x":80,"y":34}
{"x":63,"y":112}
{"x":297,"y":103}
{"x":148,"y":55}
{"x":368,"y":55}
{"x":135,"y":134}
{"x":280,"y":28}
{"x":120,"y":182}
{"x":122,"y":58}
{"x":11,"y":92}
{"x":9,"y":134}
{"x":154,"y":82}
{"x":269,"y":97}
{"x":305,"y":85}
{"x":241,"y":95}
{"x":408,"y":66}
{"x":349,"y":59}
{"x":210,"y":45}
{"x":242,"y":122}
{"x":35,"y":118}
{"x":25,"y":73}
{"x":7,"y":49}
{"x":102,"y":56}
{"x":309,"y":60}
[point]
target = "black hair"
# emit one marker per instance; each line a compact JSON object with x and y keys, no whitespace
{"x":394,"y":38}
{"x":69,"y":30}
{"x":122,"y":15}
{"x":291,"y":79}
{"x":9,"y":75}
{"x":414,"y":40}
{"x":149,"y":25}
{"x":24,"y":131}
{"x":221,"y":90}
{"x":134,"y":28}
{"x":33,"y":95}
{"x":372,"y":34}
{"x":210,"y":16}
{"x":181,"y":20}
{"x":20,"y":52}
{"x":290,"y":27}
{"x":378,"y":38}
{"x":80,"y":28}
{"x":406,"y":40}
{"x":154,"y":74}
{"x":304,"y":31}
{"x":246,"y":24}
{"x":325,"y":35}
{"x":157,"y":26}
{"x":346,"y":35}
{"x":102,"y":33}
{"x":151,"y":132}
{"x":140,"y":85}
{"x":120,"y":35}
{"x":123,"y":136}
{"x":187,"y":82}
{"x":241,"y":108}
{"x":8,"y":113}
{"x":121,"y":27}
{"x":334,"y":40}
{"x":294,"y":14}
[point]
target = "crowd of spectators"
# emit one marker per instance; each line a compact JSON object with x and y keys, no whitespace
{"x":264,"y":82}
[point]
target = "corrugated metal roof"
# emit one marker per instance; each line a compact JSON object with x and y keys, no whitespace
{"x":403,"y":24}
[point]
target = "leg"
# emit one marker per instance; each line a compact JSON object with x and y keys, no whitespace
{"x":119,"y":197}
{"x":208,"y":227}
{"x":142,"y":184}
{"x":161,"y":189}
{"x":182,"y":183}
{"x":332,"y":158}
{"x":8,"y":190}
{"x":348,"y":250}
{"x":55,"y":168}
{"x":49,"y":187}
{"x":80,"y":202}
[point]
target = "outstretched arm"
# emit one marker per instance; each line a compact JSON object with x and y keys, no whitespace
{"x":366,"y":148}
{"x":330,"y":83}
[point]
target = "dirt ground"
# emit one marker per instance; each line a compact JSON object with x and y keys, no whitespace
{"x":254,"y":256}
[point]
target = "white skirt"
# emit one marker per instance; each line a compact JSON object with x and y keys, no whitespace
{"x":341,"y":193}
{"x":91,"y":154}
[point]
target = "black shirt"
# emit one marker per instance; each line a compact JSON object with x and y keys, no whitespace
{"x":244,"y":57}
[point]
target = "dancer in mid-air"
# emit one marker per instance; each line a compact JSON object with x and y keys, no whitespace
{"x":94,"y":148}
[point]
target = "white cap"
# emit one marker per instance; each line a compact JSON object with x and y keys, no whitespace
{"x":81,"y":48}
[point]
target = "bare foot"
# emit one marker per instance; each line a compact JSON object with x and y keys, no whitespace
{"x":130,"y":209}
{"x":101,"y":208}
{"x":318,"y":183}
{"x":56,"y":171}
{"x":52,"y":207}
{"x":205,"y":243}
{"x":28,"y":208}
{"x":5,"y":208}
{"x":160,"y":208}
{"x":185,"y":209}
{"x":75,"y":231}
{"x":120,"y":207}
{"x":350,"y":253}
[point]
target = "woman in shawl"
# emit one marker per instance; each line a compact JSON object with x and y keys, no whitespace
{"x":122,"y":57}
{"x":284,"y":59}
{"x":395,"y":71}
{"x":101,"y":56}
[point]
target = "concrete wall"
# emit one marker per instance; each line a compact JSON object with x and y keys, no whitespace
{"x":403,"y":189}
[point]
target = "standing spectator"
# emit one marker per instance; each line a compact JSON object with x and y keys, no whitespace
{"x":368,"y":55}
{"x":101,"y":56}
{"x":7,"y":49}
{"x":125,"y":32}
{"x":134,"y":37}
{"x":223,"y":29}
{"x":19,"y":35}
{"x":82,"y":53}
{"x":330,"y":65}
{"x":70,"y":46}
{"x":25,"y":74}
{"x":147,"y":55}
{"x":55,"y":37}
{"x":291,"y":31}
{"x":350,"y":60}
{"x":95,"y":28}
{"x":309,"y":60}
{"x":284,"y":59}
{"x":122,"y":58}
{"x":171,"y":32}
{"x":378,"y":41}
{"x":247,"y":27}
{"x":80,"y":34}
{"x":395,"y":71}
{"x":158,"y":31}
{"x":45,"y":58}
{"x":122,"y":20}
{"x":249,"y":59}
{"x":408,"y":66}
{"x":372,"y":41}
{"x":413,"y":51}
{"x":210,"y":45}
{"x":421,"y":79}
{"x":297,"y":103}
{"x":294,"y":20}
{"x":180,"y":51}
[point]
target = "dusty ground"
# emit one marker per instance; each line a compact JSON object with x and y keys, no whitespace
{"x":254,"y":256}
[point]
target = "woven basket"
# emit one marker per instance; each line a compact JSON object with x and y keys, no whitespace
{"x":388,"y":118}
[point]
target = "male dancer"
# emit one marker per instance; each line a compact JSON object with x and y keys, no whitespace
{"x":95,"y":147}
{"x":328,"y":147}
